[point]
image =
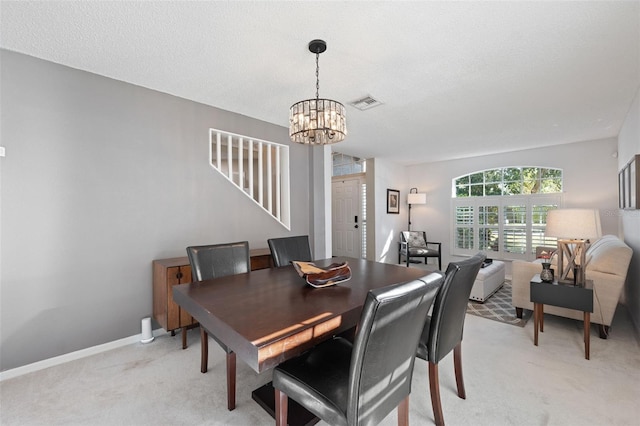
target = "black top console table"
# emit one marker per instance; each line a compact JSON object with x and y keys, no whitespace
{"x":564,"y":295}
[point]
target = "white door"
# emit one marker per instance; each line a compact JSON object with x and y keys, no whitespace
{"x":345,"y":216}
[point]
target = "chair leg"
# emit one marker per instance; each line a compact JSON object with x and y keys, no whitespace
{"x":434,"y":388}
{"x":457,"y":365}
{"x":281,"y":408}
{"x":204,"y":350}
{"x":184,"y":337}
{"x":403,"y":412}
{"x":231,"y":381}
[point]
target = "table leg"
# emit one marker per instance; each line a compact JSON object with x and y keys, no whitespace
{"x":184,"y":337}
{"x":587,"y":334}
{"x":298,"y":415}
{"x":535,"y":323}
{"x":541,"y":316}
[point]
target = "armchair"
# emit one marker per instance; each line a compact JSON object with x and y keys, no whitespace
{"x":415,"y":244}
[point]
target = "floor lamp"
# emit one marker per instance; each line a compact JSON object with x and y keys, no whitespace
{"x":415,"y":198}
{"x":573,"y":228}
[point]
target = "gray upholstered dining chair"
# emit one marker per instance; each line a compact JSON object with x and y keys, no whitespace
{"x":414,"y":244}
{"x":215,"y":261}
{"x":361,"y":383}
{"x":444,"y":327}
{"x":286,"y":249}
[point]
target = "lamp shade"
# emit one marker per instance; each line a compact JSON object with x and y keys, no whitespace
{"x":417,"y":198}
{"x":579,"y":224}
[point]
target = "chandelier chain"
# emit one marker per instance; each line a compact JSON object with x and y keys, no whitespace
{"x":317,"y":76}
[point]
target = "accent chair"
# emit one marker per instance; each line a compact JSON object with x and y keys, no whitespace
{"x":415,"y":244}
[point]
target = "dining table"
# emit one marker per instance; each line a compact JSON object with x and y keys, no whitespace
{"x":271,"y":315}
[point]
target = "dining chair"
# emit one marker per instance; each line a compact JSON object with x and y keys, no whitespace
{"x":215,"y":261}
{"x":415,"y":244}
{"x":286,"y":249}
{"x":444,"y":327}
{"x":361,"y":383}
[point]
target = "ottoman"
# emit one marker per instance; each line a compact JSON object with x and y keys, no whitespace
{"x":489,"y":280}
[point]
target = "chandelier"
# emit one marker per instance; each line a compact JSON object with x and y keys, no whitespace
{"x":317,"y":121}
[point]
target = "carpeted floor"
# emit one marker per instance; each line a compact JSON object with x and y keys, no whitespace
{"x":508,"y":381}
{"x":498,"y":308}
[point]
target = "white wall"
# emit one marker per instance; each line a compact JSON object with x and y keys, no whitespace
{"x":320,"y":166}
{"x":387,"y":175}
{"x":100,"y":178}
{"x":590,"y":180}
{"x":628,"y":146}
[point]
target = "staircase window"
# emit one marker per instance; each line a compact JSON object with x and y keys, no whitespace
{"x":258,"y":168}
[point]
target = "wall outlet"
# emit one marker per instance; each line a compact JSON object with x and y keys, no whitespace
{"x":1,"y":151}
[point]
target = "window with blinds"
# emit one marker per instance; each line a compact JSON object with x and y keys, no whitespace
{"x":503,"y":212}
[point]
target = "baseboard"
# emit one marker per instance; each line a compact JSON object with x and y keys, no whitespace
{"x":72,"y":356}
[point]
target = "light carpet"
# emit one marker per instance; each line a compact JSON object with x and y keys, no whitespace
{"x":508,"y":380}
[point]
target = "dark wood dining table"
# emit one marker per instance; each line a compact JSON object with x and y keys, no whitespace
{"x":271,"y":315}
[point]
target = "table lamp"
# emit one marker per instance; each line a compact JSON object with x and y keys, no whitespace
{"x":573,"y":228}
{"x":415,"y":198}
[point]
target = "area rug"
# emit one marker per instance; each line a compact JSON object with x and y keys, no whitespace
{"x":498,"y":308}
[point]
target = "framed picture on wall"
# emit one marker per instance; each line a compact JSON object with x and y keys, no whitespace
{"x":621,"y":189}
{"x":627,"y":188}
{"x":629,"y":185}
{"x":393,"y":201}
{"x":633,"y":183}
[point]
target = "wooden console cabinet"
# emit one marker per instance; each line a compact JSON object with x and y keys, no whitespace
{"x":176,"y":270}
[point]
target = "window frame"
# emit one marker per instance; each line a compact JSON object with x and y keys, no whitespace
{"x":497,"y":182}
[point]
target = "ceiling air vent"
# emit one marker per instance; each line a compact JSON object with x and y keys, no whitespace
{"x":366,"y":102}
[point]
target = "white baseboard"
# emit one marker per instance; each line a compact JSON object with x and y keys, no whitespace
{"x":72,"y":356}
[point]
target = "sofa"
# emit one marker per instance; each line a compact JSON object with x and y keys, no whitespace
{"x":607,"y":262}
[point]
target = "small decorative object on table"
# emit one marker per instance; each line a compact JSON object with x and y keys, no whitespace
{"x":546,"y":275}
{"x":323,"y":277}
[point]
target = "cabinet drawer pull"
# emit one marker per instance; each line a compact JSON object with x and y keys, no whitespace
{"x":179,"y":275}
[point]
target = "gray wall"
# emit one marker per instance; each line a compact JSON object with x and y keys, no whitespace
{"x":100,"y":178}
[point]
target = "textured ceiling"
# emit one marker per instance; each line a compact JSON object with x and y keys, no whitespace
{"x":456,"y":79}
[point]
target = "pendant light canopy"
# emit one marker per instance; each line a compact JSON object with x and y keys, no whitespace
{"x":317,"y":121}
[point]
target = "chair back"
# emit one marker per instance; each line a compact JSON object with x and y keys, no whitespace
{"x":218,"y":260}
{"x":286,"y":249}
{"x":414,"y":238}
{"x":447,"y":319}
{"x":385,"y":345}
